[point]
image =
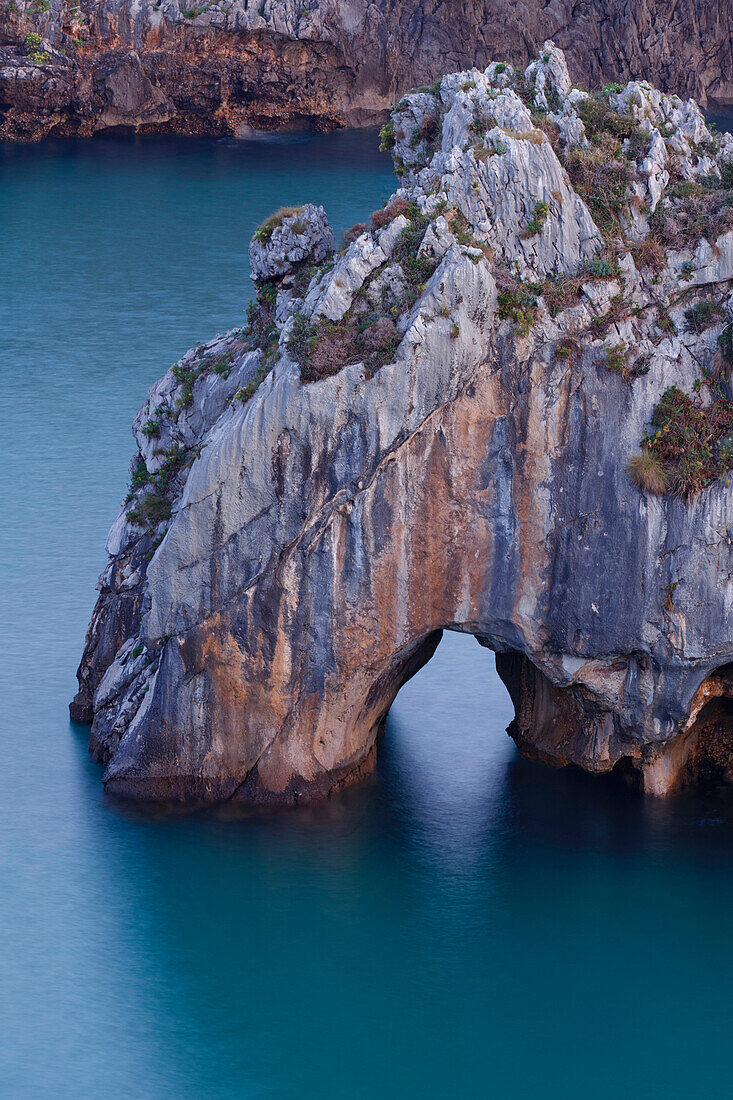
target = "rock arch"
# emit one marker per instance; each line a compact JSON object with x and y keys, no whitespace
{"x":333,"y":520}
{"x":277,"y":691}
{"x":328,"y":532}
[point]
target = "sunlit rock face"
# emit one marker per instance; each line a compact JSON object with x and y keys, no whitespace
{"x":225,"y":68}
{"x":432,"y":429}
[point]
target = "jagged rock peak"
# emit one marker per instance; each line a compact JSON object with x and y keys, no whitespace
{"x":502,"y":407}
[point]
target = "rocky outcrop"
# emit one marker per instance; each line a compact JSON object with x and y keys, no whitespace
{"x":290,"y":237}
{"x":502,"y":408}
{"x":223,"y":68}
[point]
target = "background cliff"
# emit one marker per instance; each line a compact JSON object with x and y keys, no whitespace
{"x":222,"y":67}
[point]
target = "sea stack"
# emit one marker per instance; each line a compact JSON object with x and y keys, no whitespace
{"x":503,"y":407}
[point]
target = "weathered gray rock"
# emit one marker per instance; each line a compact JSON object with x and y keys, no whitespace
{"x":474,"y":477}
{"x":289,"y":239}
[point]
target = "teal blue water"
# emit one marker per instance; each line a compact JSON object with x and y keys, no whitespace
{"x":464,"y":925}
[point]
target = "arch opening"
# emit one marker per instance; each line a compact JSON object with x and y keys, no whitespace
{"x":446,"y":754}
{"x":540,"y":717}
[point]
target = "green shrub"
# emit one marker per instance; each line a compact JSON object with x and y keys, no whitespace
{"x":600,"y":119}
{"x":186,"y":377}
{"x":430,"y":89}
{"x":222,"y":365}
{"x":616,"y":359}
{"x":261,"y":330}
{"x":33,"y":42}
{"x":602,"y":268}
{"x":601,"y":177}
{"x":386,"y":137}
{"x":689,"y":440}
{"x":725,"y":343}
{"x":702,"y":315}
{"x":568,"y":349}
{"x":155,"y":506}
{"x":152,"y":509}
{"x":416,"y":269}
{"x":538,"y":219}
{"x":151,"y":429}
{"x":518,"y":305}
{"x":248,"y":391}
{"x":686,"y":189}
{"x":138,"y":480}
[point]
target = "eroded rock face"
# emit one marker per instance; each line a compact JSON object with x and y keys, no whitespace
{"x":432,"y":430}
{"x":288,"y":239}
{"x":220,"y":68}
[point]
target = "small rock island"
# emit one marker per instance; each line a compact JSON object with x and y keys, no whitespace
{"x":503,"y":407}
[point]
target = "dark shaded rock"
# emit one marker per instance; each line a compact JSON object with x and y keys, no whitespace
{"x":129,"y":98}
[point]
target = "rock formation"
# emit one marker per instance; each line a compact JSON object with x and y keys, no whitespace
{"x":223,"y":67}
{"x":502,"y":408}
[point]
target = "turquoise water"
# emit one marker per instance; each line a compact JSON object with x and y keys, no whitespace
{"x":465,"y":925}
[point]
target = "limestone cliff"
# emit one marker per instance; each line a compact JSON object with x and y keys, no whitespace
{"x":501,"y":408}
{"x":222,"y":67}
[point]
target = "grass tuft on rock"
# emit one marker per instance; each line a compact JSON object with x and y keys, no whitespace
{"x":601,"y":176}
{"x":264,"y":232}
{"x":647,"y":473}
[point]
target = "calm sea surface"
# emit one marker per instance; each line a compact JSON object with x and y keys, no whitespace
{"x":465,"y":925}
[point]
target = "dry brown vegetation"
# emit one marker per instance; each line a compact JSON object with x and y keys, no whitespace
{"x":690,"y":212}
{"x":560,"y":293}
{"x":649,"y":254}
{"x":265,"y":231}
{"x":601,"y":177}
{"x":388,"y":213}
{"x":356,"y":231}
{"x":362,"y":336}
{"x":647,"y":473}
{"x":537,"y":137}
{"x":429,"y":128}
{"x":693,"y":443}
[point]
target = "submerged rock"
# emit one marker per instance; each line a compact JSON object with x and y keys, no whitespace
{"x":433,"y":431}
